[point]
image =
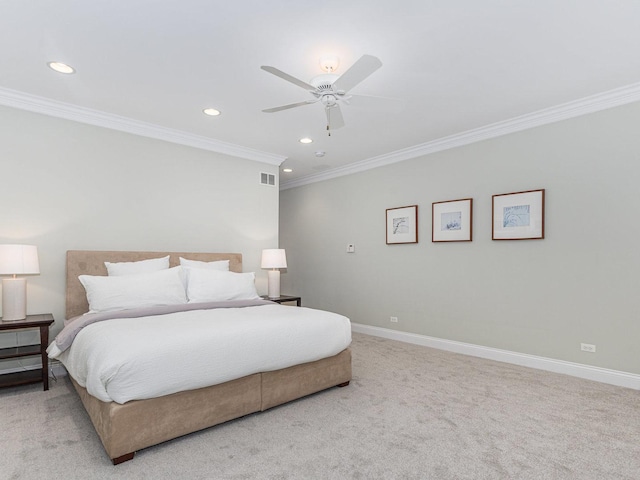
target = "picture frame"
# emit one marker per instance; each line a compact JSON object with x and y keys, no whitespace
{"x":518,"y":216}
{"x":402,"y":224}
{"x":452,"y":220}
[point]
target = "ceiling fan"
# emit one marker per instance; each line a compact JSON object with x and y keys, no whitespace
{"x":328,"y":88}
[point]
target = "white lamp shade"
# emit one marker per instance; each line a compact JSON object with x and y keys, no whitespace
{"x":19,"y":260}
{"x":274,"y":258}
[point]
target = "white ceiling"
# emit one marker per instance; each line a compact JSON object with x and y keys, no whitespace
{"x":456,"y":65}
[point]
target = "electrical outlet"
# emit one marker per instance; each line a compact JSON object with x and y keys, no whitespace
{"x":393,"y":319}
{"x":587,"y":347}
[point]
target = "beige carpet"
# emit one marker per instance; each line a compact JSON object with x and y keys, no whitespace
{"x":410,"y":412}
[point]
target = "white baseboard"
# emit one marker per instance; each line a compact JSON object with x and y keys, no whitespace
{"x":603,"y":375}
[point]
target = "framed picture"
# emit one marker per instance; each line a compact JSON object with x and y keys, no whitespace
{"x":518,"y":216}
{"x":451,"y":221}
{"x":402,"y":225}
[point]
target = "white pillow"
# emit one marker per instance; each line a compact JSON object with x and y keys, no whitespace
{"x":133,"y":268}
{"x":217,"y":265}
{"x":164,"y":287}
{"x":217,"y":286}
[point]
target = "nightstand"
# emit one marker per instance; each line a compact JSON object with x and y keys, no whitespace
{"x":43,"y":322}
{"x":284,"y":299}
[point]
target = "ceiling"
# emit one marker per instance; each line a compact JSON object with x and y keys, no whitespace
{"x":454,"y":66}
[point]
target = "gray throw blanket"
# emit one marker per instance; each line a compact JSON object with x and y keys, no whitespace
{"x":73,"y":326}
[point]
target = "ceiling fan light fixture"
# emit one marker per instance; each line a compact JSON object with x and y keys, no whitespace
{"x":329,"y":63}
{"x":305,"y":140}
{"x":61,"y":67}
{"x":212,"y":112}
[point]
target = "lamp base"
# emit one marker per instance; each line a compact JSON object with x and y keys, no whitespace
{"x":274,"y":283}
{"x":14,"y":299}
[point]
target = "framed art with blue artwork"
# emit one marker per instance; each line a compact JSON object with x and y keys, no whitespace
{"x":518,"y":216}
{"x":452,"y":221}
{"x":402,"y":224}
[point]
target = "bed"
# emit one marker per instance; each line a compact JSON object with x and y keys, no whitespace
{"x":125,"y":427}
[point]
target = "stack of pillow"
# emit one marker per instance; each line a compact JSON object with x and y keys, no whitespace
{"x":152,"y":283}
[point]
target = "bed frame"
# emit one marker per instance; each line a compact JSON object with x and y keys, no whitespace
{"x":126,"y":428}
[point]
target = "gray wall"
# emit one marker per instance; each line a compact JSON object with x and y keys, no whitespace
{"x":70,"y":186}
{"x":540,"y":297}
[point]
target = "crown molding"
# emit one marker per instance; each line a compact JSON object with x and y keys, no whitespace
{"x":45,"y":106}
{"x":591,"y":104}
{"x":576,"y":108}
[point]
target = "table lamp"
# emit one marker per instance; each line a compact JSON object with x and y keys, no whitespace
{"x":16,"y":260}
{"x":274,"y":258}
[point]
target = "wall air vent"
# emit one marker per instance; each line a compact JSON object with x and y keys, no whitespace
{"x":268,"y":179}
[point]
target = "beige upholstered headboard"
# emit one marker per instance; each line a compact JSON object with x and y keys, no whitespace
{"x":87,"y":262}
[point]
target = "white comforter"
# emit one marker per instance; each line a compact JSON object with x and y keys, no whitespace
{"x":131,"y":359}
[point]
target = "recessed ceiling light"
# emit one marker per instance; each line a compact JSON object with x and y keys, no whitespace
{"x":287,"y":170}
{"x":61,"y":67}
{"x":305,"y":140}
{"x":212,"y":112}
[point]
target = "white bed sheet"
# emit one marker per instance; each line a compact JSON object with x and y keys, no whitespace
{"x":136,"y":358}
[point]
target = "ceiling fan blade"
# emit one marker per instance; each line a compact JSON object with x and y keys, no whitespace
{"x":334,"y":117}
{"x":287,"y":77}
{"x":365,"y":66}
{"x":286,"y":107}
